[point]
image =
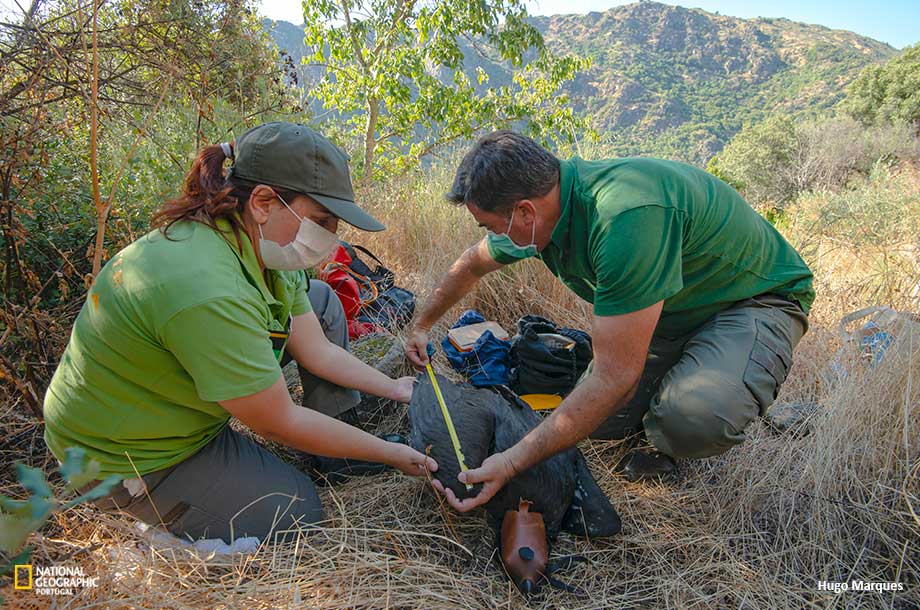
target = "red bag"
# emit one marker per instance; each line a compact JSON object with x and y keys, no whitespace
{"x":353,"y":290}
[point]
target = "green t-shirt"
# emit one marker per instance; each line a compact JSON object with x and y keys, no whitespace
{"x":170,"y":327}
{"x":635,"y":231}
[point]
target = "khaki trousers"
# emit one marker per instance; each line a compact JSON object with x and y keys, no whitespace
{"x":699,"y":392}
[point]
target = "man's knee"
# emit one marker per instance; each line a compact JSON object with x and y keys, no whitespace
{"x":700,"y":415}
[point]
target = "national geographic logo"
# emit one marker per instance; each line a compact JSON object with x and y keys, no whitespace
{"x":52,"y":580}
{"x":22,"y":577}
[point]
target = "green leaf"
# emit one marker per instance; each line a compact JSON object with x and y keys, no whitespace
{"x":41,"y":509}
{"x":14,"y":507}
{"x":34,"y":480}
{"x":19,"y":559}
{"x":77,"y":470}
{"x":99,"y":491}
{"x":14,"y":531}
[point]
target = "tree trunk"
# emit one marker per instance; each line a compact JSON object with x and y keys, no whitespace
{"x":370,"y":142}
{"x":102,"y":210}
{"x":8,"y":240}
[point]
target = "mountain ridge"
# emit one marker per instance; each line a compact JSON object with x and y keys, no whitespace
{"x":680,"y":82}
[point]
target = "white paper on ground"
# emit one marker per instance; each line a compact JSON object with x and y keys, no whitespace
{"x":157,"y":538}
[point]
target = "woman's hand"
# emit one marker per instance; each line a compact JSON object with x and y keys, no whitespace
{"x":417,"y":348}
{"x":409,"y":461}
{"x":402,"y":389}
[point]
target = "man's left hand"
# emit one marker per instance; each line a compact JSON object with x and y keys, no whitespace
{"x":495,"y":471}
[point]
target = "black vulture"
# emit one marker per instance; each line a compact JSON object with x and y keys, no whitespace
{"x":490,"y":420}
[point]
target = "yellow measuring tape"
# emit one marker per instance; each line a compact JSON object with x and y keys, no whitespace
{"x":454,"y":439}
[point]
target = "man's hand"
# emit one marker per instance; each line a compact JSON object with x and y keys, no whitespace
{"x":495,"y":471}
{"x":417,"y":348}
{"x":460,"y":279}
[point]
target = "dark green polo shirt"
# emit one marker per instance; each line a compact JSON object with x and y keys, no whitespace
{"x":168,"y":329}
{"x":635,"y":231}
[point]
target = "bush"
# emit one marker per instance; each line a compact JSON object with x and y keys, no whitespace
{"x":775,"y":162}
{"x":887,"y":93}
{"x":868,"y":233}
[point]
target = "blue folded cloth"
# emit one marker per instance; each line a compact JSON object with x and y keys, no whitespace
{"x":488,"y":363}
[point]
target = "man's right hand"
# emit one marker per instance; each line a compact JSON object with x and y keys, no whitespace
{"x":417,"y":348}
{"x":460,"y":279}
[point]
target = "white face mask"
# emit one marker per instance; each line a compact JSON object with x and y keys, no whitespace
{"x":312,"y":245}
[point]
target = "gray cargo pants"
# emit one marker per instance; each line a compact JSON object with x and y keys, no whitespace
{"x":233,"y":487}
{"x":699,"y":392}
{"x":319,"y":394}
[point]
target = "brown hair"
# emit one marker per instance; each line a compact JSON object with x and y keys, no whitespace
{"x":208,"y":194}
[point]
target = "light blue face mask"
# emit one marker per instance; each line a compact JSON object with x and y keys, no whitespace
{"x":507,"y":246}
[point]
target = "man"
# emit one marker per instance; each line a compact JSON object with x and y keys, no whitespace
{"x":698,"y":301}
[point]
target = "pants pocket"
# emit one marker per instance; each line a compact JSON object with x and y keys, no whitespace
{"x":768,"y":365}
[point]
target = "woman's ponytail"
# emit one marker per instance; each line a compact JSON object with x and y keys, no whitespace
{"x":207,"y":194}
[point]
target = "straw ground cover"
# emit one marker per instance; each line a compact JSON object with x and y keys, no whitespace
{"x":758,"y":527}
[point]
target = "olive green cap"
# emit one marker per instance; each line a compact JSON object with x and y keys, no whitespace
{"x":294,"y":157}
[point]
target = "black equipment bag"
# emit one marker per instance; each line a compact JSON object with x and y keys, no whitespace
{"x":381,"y":276}
{"x":392,"y":307}
{"x":542,"y":362}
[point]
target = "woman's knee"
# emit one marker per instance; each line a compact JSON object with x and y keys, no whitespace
{"x":328,"y":309}
{"x":278,"y":513}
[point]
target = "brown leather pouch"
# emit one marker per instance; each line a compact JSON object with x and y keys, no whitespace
{"x":524,"y":549}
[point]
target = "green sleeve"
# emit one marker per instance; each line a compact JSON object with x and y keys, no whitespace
{"x":224,"y":346}
{"x":637,"y":260}
{"x":301,"y":303}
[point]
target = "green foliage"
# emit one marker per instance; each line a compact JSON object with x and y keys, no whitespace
{"x":775,"y":161}
{"x":394,"y":71}
{"x":754,"y":161}
{"x":669,"y":81}
{"x":889,"y":93}
{"x":19,"y":518}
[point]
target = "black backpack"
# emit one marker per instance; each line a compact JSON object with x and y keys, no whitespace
{"x":548,"y":359}
{"x":394,"y":306}
{"x":381,"y":276}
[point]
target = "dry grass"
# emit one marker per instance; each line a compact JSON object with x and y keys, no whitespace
{"x":755,"y":528}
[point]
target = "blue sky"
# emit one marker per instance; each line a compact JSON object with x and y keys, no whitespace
{"x":896,"y":22}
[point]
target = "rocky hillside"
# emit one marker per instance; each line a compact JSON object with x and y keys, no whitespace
{"x":680,"y":82}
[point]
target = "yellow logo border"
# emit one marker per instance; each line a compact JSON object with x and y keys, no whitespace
{"x":16,"y":570}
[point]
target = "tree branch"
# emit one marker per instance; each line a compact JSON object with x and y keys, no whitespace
{"x":351,"y":34}
{"x":386,"y":40}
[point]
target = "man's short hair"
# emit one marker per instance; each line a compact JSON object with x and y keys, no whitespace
{"x":503,"y":167}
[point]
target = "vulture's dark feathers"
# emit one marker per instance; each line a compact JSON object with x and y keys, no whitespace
{"x":492,"y":420}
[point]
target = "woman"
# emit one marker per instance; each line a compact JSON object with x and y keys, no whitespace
{"x":188,"y":325}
